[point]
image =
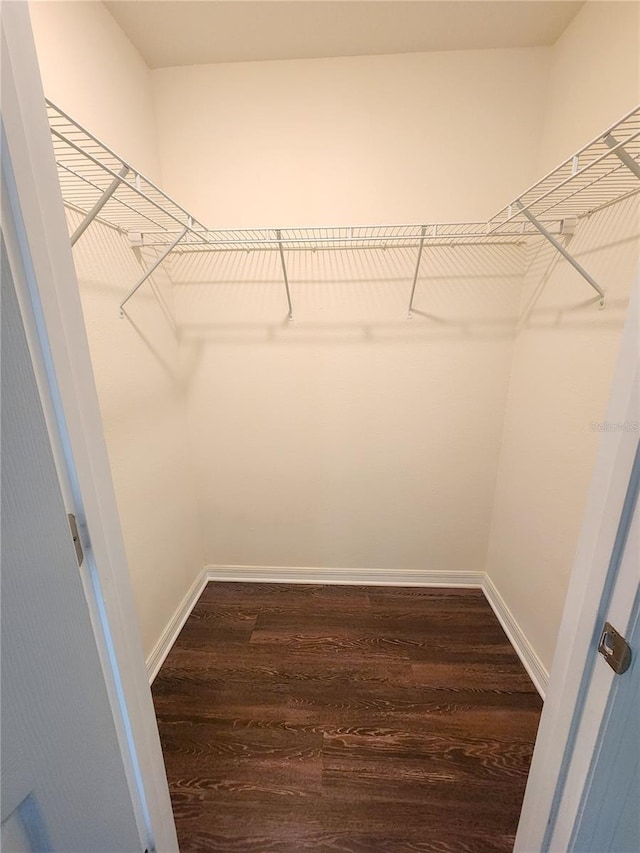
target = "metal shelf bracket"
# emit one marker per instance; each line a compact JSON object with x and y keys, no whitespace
{"x":154,"y":266}
{"x":623,"y":155}
{"x":284,"y":273}
{"x":423,"y":231}
{"x":563,"y":251}
{"x":97,"y":207}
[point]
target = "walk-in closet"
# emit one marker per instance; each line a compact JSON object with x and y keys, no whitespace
{"x":354,"y":278}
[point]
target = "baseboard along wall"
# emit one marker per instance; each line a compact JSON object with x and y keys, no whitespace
{"x":364,"y":577}
{"x":174,"y":626}
{"x":517,"y":637}
{"x":356,"y":577}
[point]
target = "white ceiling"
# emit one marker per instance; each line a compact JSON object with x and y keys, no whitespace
{"x":184,"y":32}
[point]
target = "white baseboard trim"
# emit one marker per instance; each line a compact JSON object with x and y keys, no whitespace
{"x":517,"y":638}
{"x":364,"y":577}
{"x":170,"y":633}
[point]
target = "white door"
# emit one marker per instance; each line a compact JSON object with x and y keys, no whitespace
{"x":64,"y":785}
{"x":81,"y":761}
{"x":607,"y":819}
{"x":609,"y":816}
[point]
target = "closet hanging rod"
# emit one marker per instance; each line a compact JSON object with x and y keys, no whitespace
{"x":380,"y":245}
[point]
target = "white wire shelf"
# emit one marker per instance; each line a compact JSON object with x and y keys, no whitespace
{"x":87,"y":168}
{"x":342,"y":237}
{"x":592,"y":179}
{"x":99,"y":185}
{"x":602,"y":173}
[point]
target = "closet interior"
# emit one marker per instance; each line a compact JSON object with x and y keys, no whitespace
{"x":363,"y":404}
{"x":170,"y":262}
{"x":270,"y":410}
{"x":404,"y":405}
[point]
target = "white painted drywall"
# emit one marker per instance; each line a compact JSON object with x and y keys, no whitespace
{"x":353,"y":140}
{"x":565,"y":351}
{"x":137,"y":366}
{"x":594,"y":78}
{"x":92,"y":71}
{"x":351,"y":437}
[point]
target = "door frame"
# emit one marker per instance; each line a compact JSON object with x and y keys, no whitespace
{"x":52,"y":311}
{"x":36,"y":234}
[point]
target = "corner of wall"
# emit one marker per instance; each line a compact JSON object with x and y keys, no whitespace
{"x":593,"y":81}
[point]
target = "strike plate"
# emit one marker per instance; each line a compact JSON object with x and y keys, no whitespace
{"x":614,"y":649}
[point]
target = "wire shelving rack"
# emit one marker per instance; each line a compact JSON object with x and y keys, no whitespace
{"x":101,"y":186}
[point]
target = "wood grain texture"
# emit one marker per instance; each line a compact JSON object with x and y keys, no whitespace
{"x":343,"y":718}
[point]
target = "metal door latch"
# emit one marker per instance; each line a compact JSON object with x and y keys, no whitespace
{"x":76,"y":538}
{"x":614,"y":649}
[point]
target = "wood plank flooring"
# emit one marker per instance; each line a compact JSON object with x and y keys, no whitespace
{"x":335,"y":718}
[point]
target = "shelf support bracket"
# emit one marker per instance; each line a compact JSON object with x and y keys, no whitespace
{"x":415,"y":275}
{"x":623,"y":155}
{"x":154,"y":266}
{"x":284,"y":272}
{"x":560,"y":248}
{"x":97,"y":207}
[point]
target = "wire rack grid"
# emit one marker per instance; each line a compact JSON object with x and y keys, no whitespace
{"x":599,"y":175}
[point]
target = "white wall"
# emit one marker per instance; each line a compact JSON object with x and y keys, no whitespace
{"x":362,"y":460}
{"x":565,"y":351}
{"x":594,"y":78}
{"x":91,"y":70}
{"x":354,"y":140}
{"x":352,"y":437}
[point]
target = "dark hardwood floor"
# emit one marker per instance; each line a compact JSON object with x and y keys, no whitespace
{"x":337,"y":718}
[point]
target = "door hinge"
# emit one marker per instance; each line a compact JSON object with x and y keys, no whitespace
{"x":614,"y":649}
{"x":77,"y":544}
